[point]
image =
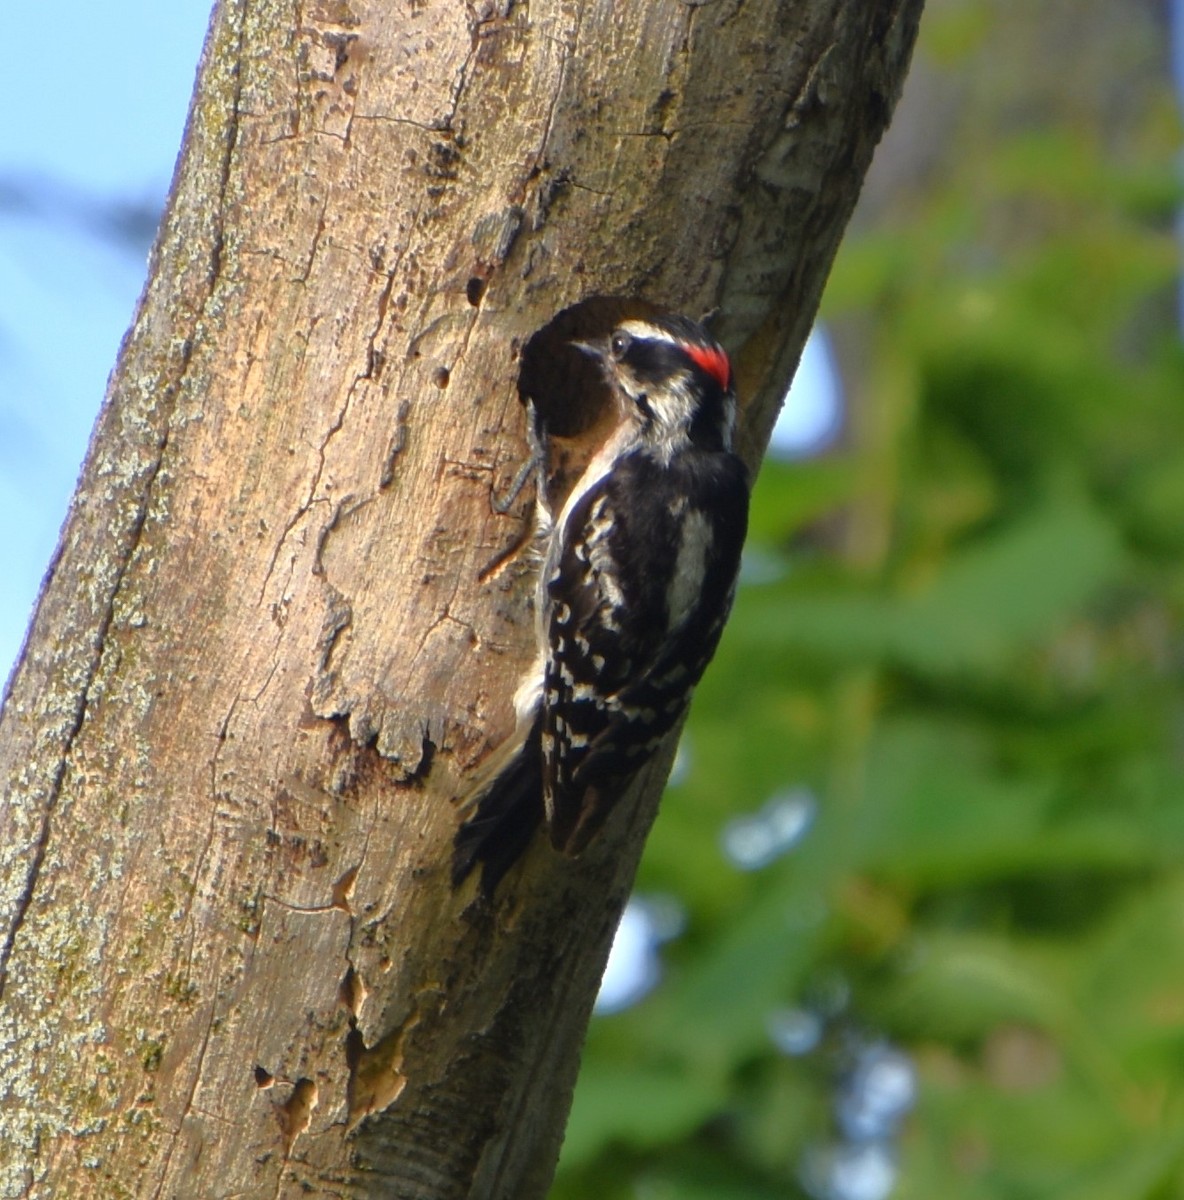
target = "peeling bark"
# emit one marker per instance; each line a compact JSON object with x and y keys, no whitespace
{"x":285,"y":617}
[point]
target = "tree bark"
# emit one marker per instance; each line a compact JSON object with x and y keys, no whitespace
{"x":284,"y":621}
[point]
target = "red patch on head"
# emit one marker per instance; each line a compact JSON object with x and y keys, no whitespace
{"x":714,"y":361}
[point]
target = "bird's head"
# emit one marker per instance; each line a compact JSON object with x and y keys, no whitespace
{"x":671,"y":379}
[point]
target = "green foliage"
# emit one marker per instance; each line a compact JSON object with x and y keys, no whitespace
{"x":971,"y":651}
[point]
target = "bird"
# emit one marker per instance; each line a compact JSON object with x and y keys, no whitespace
{"x":638,"y":574}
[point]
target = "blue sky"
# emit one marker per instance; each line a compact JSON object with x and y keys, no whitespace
{"x":109,"y":105}
{"x":101,"y":153}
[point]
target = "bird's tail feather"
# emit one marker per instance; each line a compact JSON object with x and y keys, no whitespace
{"x":508,"y":812}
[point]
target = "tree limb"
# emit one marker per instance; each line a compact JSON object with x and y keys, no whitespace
{"x":284,"y":621}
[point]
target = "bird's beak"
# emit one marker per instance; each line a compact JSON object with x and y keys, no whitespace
{"x":597,"y":349}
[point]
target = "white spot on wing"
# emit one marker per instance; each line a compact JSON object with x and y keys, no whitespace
{"x":600,"y":556}
{"x":529,"y":695}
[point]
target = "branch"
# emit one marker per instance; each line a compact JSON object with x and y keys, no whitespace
{"x":285,"y":619}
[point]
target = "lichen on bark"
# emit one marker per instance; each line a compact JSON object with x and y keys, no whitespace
{"x":271,"y":647}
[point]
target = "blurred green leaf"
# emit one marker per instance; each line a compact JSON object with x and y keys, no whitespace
{"x":959,"y":987}
{"x":993,"y":600}
{"x":787,"y":497}
{"x":631,"y":1104}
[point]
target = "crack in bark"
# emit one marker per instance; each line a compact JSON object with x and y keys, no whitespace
{"x":397,"y":445}
{"x":209,"y":838}
{"x":199,"y":866}
{"x":316,"y":242}
{"x":175,"y":1134}
{"x":307,"y":910}
{"x":25,"y":898}
{"x":546,"y":1049}
{"x":567,"y":53}
{"x":440,"y":126}
{"x":132,"y":534}
{"x":369,"y":373}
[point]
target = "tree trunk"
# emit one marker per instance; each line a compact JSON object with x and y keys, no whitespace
{"x":285,"y":622}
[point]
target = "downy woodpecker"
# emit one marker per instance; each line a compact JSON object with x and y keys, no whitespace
{"x":638,"y":574}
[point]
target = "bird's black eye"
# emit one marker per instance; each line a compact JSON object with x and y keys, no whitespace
{"x":619,"y":344}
